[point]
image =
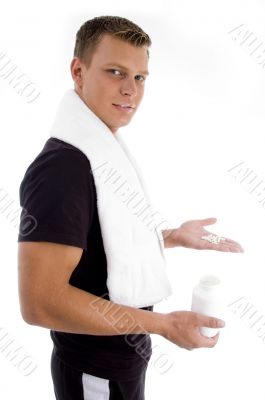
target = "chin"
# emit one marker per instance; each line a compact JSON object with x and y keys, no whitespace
{"x":124,"y":123}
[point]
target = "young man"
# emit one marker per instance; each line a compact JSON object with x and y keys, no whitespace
{"x":62,"y":261}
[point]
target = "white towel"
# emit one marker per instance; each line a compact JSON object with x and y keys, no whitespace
{"x":136,"y":266}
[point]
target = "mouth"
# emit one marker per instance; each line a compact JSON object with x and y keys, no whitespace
{"x":123,"y":107}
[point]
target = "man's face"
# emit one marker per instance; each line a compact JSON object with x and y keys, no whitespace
{"x":116,"y":76}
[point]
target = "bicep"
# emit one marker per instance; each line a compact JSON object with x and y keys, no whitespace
{"x":44,"y":269}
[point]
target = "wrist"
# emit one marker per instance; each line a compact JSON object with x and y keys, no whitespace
{"x":151,"y":322}
{"x":159,"y":326}
{"x":171,"y":237}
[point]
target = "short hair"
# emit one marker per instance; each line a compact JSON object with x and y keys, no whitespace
{"x":90,"y":34}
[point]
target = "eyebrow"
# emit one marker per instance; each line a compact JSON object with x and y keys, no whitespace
{"x":121,"y":66}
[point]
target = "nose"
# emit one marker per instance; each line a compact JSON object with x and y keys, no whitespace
{"x":129,"y":87}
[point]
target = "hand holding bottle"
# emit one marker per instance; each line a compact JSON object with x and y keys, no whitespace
{"x":183,"y":329}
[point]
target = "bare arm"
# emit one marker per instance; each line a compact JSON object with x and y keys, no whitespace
{"x":48,"y":300}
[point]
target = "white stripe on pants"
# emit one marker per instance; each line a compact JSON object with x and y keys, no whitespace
{"x":95,"y":387}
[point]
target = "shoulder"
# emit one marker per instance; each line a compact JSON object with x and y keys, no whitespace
{"x":57,"y":153}
{"x":59,"y":162}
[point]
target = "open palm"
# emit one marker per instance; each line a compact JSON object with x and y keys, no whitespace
{"x":190,"y":233}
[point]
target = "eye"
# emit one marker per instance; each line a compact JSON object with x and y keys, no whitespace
{"x":141,"y":76}
{"x":113,"y":70}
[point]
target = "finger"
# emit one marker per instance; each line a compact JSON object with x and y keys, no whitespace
{"x":206,"y":341}
{"x":230,"y":241}
{"x":228,"y":247}
{"x":206,"y":245}
{"x":216,"y":337}
{"x":233,"y":243}
{"x":208,"y":221}
{"x":210,"y":322}
{"x":210,"y":342}
{"x":224,"y":239}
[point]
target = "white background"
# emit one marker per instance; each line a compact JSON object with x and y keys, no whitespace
{"x":203,"y":113}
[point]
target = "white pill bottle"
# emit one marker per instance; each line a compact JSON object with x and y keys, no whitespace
{"x":208,"y":299}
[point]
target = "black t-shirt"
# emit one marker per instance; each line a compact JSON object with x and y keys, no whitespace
{"x":58,"y":193}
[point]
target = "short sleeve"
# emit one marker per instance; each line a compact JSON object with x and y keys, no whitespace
{"x":57,"y":196}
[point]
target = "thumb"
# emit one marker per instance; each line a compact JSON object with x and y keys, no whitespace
{"x":209,"y":221}
{"x":211,"y":322}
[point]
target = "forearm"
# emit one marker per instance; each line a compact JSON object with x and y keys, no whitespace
{"x":77,"y":311}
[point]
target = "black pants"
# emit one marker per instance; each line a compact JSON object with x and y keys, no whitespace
{"x":70,"y":384}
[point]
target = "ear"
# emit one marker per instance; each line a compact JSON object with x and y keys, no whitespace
{"x":76,"y":72}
